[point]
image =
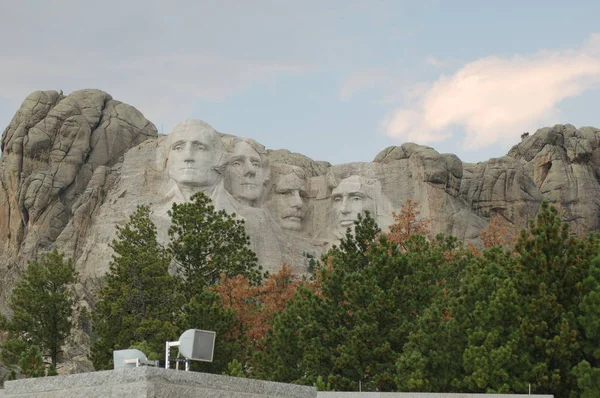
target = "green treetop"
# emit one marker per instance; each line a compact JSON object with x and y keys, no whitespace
{"x":140,"y":301}
{"x":351,"y":329}
{"x":206,"y":243}
{"x":42,"y":306}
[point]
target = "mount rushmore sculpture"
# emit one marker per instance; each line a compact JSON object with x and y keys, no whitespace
{"x":75,"y":167}
{"x":276,"y":200}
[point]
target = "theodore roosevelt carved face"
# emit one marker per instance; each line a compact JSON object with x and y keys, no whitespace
{"x":194,"y":153}
{"x":288,"y":196}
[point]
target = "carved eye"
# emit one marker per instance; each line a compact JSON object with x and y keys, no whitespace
{"x":200,"y":147}
{"x":178,"y":148}
{"x":356,"y":199}
{"x":236,"y":163}
{"x":337,"y":199}
{"x":256,"y":164}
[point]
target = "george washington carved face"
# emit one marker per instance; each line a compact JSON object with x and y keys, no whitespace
{"x":194,"y":153}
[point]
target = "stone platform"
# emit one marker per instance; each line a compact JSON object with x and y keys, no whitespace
{"x":150,"y":383}
{"x":156,"y":382}
{"x":323,"y":394}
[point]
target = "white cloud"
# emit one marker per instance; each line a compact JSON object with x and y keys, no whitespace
{"x":495,"y":98}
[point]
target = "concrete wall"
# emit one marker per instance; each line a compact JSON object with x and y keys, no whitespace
{"x":420,"y":395}
{"x":150,"y":383}
{"x":155,"y":382}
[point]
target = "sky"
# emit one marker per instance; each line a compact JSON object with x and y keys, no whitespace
{"x":335,"y":80}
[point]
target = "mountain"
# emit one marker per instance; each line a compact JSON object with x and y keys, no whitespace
{"x":74,"y":167}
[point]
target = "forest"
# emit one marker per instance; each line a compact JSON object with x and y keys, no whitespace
{"x":395,"y":310}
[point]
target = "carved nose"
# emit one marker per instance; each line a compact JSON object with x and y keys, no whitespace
{"x":249,"y":169}
{"x":344,"y":209}
{"x":188,"y":155}
{"x":296,"y":200}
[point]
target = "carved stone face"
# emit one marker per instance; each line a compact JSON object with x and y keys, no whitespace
{"x":288,"y":200}
{"x":349,"y":199}
{"x":193,"y":155}
{"x":244,"y":175}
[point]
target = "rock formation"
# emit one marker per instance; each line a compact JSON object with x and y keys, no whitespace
{"x":59,"y":156}
{"x":75,"y":167}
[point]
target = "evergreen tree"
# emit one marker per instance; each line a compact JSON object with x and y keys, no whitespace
{"x":206,"y":243}
{"x":140,"y":301}
{"x":489,"y":311}
{"x":466,"y":341}
{"x":42,"y":306}
{"x":32,"y":363}
{"x":587,"y":371}
{"x":518,"y":319}
{"x":352,"y":329}
{"x":549,"y":275}
{"x":205,"y":311}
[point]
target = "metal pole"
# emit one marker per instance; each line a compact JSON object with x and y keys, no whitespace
{"x":168,"y":345}
{"x":167,"y":355}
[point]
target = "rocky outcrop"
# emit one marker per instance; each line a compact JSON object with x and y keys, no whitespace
{"x":434,"y":180}
{"x":57,"y":154}
{"x":502,"y":187}
{"x":563,"y":164}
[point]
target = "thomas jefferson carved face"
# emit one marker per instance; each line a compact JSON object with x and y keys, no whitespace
{"x":287,"y":199}
{"x":194,"y":152}
{"x":245,"y":175}
{"x":349,"y":199}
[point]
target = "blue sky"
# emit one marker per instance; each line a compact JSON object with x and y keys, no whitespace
{"x":335,"y":80}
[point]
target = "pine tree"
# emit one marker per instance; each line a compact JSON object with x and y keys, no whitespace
{"x":353,"y":327}
{"x":206,"y":243}
{"x":518,"y":319}
{"x":42,"y":305}
{"x":488,"y":311}
{"x":587,"y":371}
{"x":31,"y":363}
{"x":549,"y":277}
{"x":206,"y":311}
{"x":140,"y":301}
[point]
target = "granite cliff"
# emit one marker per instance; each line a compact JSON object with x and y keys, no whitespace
{"x":74,"y":167}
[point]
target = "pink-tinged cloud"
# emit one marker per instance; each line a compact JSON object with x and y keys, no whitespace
{"x":494,"y":99}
